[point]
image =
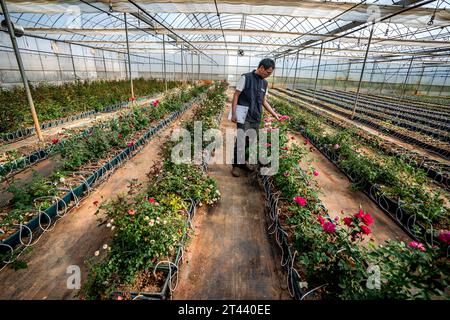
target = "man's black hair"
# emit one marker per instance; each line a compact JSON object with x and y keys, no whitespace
{"x":267,"y":63}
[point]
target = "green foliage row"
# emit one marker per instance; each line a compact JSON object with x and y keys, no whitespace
{"x":398,"y":179}
{"x":58,"y":101}
{"x":148,"y":223}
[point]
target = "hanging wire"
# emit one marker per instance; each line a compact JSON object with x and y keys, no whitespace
{"x":221,"y":27}
{"x":430,"y":23}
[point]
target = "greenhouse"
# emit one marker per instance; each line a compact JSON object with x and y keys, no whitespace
{"x":225,"y":150}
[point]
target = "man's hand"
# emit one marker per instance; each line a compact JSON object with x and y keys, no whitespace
{"x":234,"y":117}
{"x":277,"y":116}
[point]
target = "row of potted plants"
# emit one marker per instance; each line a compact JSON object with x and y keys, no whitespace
{"x":436,"y":170}
{"x":399,"y":117}
{"x":334,"y":258}
{"x":86,"y":154}
{"x":148,"y":223}
{"x":410,"y":135}
{"x":57,"y":101}
{"x":398,"y":180}
{"x":20,"y":158}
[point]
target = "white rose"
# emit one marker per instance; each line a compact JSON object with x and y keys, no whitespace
{"x":96,"y":253}
{"x":105,"y":246}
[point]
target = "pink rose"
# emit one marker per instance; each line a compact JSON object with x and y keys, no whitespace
{"x":301,"y":201}
{"x":417,"y":245}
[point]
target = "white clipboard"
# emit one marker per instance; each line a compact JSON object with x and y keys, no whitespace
{"x":241,"y":113}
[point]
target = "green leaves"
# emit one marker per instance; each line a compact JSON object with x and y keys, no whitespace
{"x":54,"y":101}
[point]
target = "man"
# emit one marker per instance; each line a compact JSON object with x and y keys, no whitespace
{"x":251,"y":91}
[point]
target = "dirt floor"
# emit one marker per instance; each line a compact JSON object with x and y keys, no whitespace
{"x":231,"y":255}
{"x":77,"y":236}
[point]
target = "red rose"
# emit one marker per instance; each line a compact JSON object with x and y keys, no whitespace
{"x":360,"y":214}
{"x":55,"y":141}
{"x":367,"y":219}
{"x":321,"y":220}
{"x":365,"y":230}
{"x":151,"y":200}
{"x":348,"y":221}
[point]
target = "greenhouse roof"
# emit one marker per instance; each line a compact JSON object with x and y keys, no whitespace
{"x":259,"y":27}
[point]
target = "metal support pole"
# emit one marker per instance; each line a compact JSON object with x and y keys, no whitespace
{"x":336,"y":75}
{"x":192,"y":66}
{"x":164,"y":62}
{"x":362,"y":71}
{"x":372,"y":72}
{"x":22,"y":70}
{"x":129,"y":60}
{"x":383,"y":82}
{"x":198,"y":66}
{"x":182,"y":66}
{"x":406,"y":79}
{"x":282,"y":69}
{"x":432,"y":80}
{"x":174,"y":67}
{"x":443,"y":84}
{"x":295,"y":72}
{"x":317,"y":74}
{"x":420,"y":80}
{"x":104,"y":65}
{"x":348,"y":76}
{"x":59,"y":66}
{"x":73,"y":62}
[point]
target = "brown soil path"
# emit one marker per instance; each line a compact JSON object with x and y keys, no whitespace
{"x":338,"y":197}
{"x":77,"y":236}
{"x":231,"y":255}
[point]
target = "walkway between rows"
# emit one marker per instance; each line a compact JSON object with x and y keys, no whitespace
{"x":231,"y":255}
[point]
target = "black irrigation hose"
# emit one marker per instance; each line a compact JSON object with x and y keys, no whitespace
{"x":280,"y":235}
{"x":417,"y":105}
{"x":407,"y":221}
{"x":433,"y":115}
{"x":22,"y":133}
{"x":287,"y":257}
{"x":394,"y":209}
{"x":430,"y":147}
{"x":170,"y":269}
{"x":375,"y":113}
{"x":429,"y":122}
{"x":11,"y":168}
{"x":437,"y":171}
{"x":45,"y":216}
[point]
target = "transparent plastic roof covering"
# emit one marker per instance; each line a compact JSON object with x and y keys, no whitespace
{"x":259,"y":27}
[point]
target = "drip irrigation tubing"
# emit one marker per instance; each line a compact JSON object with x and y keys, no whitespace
{"x":436,"y":170}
